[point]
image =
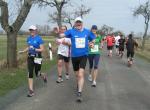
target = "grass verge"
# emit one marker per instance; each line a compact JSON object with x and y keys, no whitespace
{"x":13,"y":78}
{"x":145,"y":55}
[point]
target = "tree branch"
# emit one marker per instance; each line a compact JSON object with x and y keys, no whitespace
{"x":4,"y":15}
{"x":46,"y":3}
{"x":22,"y":15}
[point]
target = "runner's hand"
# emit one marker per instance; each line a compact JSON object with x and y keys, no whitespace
{"x":91,"y":44}
{"x":20,"y":52}
{"x":64,"y":42}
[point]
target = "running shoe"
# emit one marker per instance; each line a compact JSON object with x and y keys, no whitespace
{"x":67,"y":76}
{"x":31,"y":93}
{"x":90,"y":78}
{"x":59,"y":80}
{"x":121,"y":55}
{"x":94,"y":84}
{"x":79,"y":97}
{"x":44,"y":77}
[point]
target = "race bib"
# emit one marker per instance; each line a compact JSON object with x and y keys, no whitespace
{"x":80,"y":42}
{"x":95,"y":49}
{"x":38,"y":60}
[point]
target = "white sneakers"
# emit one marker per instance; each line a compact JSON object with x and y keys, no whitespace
{"x":90,"y":78}
{"x":59,"y":80}
{"x":67,"y":77}
{"x":94,"y":84}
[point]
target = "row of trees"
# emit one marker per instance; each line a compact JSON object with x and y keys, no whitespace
{"x":23,"y":8}
{"x":59,"y":16}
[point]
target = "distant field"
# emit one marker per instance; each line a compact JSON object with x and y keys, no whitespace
{"x":146,"y":53}
{"x":21,"y":44}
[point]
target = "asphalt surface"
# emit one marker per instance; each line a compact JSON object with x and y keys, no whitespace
{"x":118,"y":88}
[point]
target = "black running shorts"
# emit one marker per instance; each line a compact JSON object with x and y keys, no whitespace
{"x":79,"y":62}
{"x":61,"y":57}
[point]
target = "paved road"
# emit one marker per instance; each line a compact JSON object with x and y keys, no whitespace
{"x":118,"y":88}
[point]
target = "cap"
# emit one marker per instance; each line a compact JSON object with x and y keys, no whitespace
{"x":94,"y":27}
{"x":32,"y":27}
{"x":78,"y":19}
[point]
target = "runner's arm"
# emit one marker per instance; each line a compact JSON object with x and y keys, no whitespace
{"x":91,"y":39}
{"x":41,"y":49}
{"x":24,"y":51}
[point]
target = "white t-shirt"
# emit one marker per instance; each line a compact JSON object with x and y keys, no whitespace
{"x":117,"y":40}
{"x":63,"y":49}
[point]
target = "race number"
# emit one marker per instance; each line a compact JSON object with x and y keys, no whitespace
{"x":80,"y":42}
{"x":95,"y":49}
{"x":38,"y":60}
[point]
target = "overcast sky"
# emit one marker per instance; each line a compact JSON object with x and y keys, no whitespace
{"x":115,"y":13}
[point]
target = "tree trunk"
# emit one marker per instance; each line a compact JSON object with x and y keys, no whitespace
{"x":12,"y":49}
{"x":59,"y":17}
{"x":144,"y":37}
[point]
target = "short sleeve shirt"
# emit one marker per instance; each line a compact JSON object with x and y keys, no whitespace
{"x":96,"y":49}
{"x":79,"y":40}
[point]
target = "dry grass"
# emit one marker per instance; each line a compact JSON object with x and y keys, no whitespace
{"x":146,"y":53}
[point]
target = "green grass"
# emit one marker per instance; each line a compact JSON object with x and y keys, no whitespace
{"x":143,"y":54}
{"x":146,"y":53}
{"x":13,"y":78}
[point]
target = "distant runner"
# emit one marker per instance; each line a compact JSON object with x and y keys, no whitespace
{"x":110,"y":43}
{"x":130,"y":45}
{"x":117,"y":43}
{"x":121,"y":45}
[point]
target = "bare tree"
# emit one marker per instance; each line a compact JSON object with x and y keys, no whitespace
{"x":12,"y":29}
{"x":144,"y":10}
{"x":106,"y":29}
{"x":82,"y":10}
{"x":69,"y":17}
{"x":58,"y":4}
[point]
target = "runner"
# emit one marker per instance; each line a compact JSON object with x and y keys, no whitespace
{"x":130,"y":45}
{"x":63,"y":54}
{"x":110,"y":43}
{"x":117,"y":43}
{"x":80,"y":38}
{"x":121,"y":45}
{"x":34,"y":60}
{"x":94,"y":56}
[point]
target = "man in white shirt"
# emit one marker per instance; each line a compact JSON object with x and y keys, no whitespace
{"x":117,"y":43}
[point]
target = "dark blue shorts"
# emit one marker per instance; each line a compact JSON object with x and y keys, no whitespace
{"x":94,"y":60}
